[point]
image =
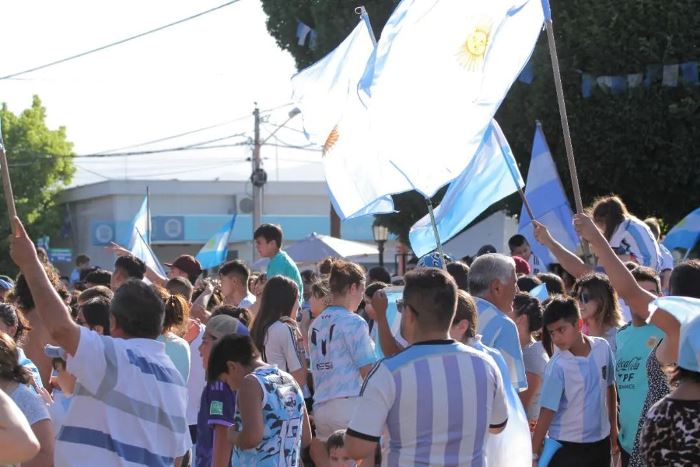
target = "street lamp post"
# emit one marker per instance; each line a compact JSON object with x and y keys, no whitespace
{"x":381,"y":234}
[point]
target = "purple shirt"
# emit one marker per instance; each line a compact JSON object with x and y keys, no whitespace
{"x":218,"y":407}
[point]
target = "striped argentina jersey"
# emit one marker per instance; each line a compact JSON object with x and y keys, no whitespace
{"x":576,"y":389}
{"x":499,"y":331}
{"x":633,"y":237}
{"x":437,"y":399}
{"x":128,"y":408}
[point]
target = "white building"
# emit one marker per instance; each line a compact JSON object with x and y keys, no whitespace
{"x":186,"y":211}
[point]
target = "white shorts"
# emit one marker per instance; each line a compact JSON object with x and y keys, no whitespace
{"x":333,"y":415}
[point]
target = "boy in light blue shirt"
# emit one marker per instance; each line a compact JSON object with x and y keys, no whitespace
{"x":578,"y":400}
{"x":268,"y":243}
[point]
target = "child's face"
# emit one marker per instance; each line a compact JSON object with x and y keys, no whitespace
{"x":523,"y":251}
{"x":339,"y":458}
{"x":563,"y":333}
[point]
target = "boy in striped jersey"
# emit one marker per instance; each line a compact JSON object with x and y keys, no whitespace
{"x":578,"y":399}
{"x":438,"y":398}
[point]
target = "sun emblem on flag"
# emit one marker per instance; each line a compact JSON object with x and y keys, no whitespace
{"x":473,"y":51}
{"x":331,"y":141}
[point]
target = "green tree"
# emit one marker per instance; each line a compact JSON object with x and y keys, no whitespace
{"x":40,"y":163}
{"x":640,"y":144}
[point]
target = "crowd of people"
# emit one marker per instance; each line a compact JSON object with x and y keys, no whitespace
{"x":128,"y":367}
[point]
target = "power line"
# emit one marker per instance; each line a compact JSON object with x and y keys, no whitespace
{"x":119,"y":42}
{"x":197,"y":130}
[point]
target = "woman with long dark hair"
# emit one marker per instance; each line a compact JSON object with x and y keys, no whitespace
{"x":275,"y":331}
{"x":600,"y":307}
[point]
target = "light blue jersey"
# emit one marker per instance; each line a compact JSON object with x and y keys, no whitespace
{"x":576,"y":389}
{"x":283,"y":416}
{"x":499,"y":331}
{"x":339,"y":345}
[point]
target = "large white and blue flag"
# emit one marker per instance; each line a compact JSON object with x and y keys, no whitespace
{"x":490,"y":176}
{"x":214,"y":252}
{"x":440,"y":72}
{"x":327,"y":95}
{"x":685,"y":234}
{"x":549,"y":204}
{"x":322,"y":90}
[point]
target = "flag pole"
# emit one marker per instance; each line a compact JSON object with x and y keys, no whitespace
{"x":504,"y":145}
{"x":436,"y":233}
{"x":7,"y":184}
{"x":563,"y":115}
{"x":148,"y":216}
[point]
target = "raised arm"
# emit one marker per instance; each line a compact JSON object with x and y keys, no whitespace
{"x":52,"y":310}
{"x":151,"y":274}
{"x":621,"y":278}
{"x":386,"y":338}
{"x":568,"y":259}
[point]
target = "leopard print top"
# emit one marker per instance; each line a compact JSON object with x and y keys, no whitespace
{"x":671,"y":433}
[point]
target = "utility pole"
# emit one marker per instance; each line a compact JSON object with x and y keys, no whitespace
{"x":258,"y":178}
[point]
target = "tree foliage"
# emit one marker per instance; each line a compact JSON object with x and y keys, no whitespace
{"x":640,"y":144}
{"x":40,"y":163}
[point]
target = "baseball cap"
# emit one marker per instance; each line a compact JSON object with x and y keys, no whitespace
{"x":521,"y":266}
{"x":53,"y":351}
{"x":687,"y":311}
{"x":222,"y":325}
{"x":433,"y":260}
{"x":486,"y":249}
{"x":187,"y":263}
{"x":5,"y":285}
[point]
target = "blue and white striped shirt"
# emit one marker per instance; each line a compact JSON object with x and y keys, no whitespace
{"x":499,"y":331}
{"x":576,"y":389}
{"x":633,"y":237}
{"x":128,"y":408}
{"x":437,"y":399}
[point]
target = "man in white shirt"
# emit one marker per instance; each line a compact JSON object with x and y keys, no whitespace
{"x":234,"y":284}
{"x":437,"y":398}
{"x":130,"y":401}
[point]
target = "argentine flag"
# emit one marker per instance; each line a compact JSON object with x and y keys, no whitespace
{"x":327,"y":95}
{"x":138,"y":242}
{"x":214,"y":252}
{"x":490,"y":176}
{"x":685,"y":234}
{"x":441,"y":70}
{"x":548,"y":201}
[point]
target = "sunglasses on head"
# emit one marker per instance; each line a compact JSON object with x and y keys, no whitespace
{"x":584,"y":297}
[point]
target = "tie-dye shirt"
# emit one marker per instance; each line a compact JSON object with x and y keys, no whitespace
{"x":339,"y":345}
{"x":283,"y":415}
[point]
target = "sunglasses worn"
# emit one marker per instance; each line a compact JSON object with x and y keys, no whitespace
{"x":401,"y":305}
{"x":584,"y":297}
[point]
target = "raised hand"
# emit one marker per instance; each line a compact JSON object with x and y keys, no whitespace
{"x":585,"y":228}
{"x":542,"y":234}
{"x":22,"y":249}
{"x":117,"y":249}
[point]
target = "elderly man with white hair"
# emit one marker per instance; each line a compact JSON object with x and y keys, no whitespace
{"x":492,"y":282}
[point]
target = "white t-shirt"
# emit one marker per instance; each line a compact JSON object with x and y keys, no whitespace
{"x":283,"y":347}
{"x":437,"y":400}
{"x":197,"y":380}
{"x":128,"y":408}
{"x":248,"y":301}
